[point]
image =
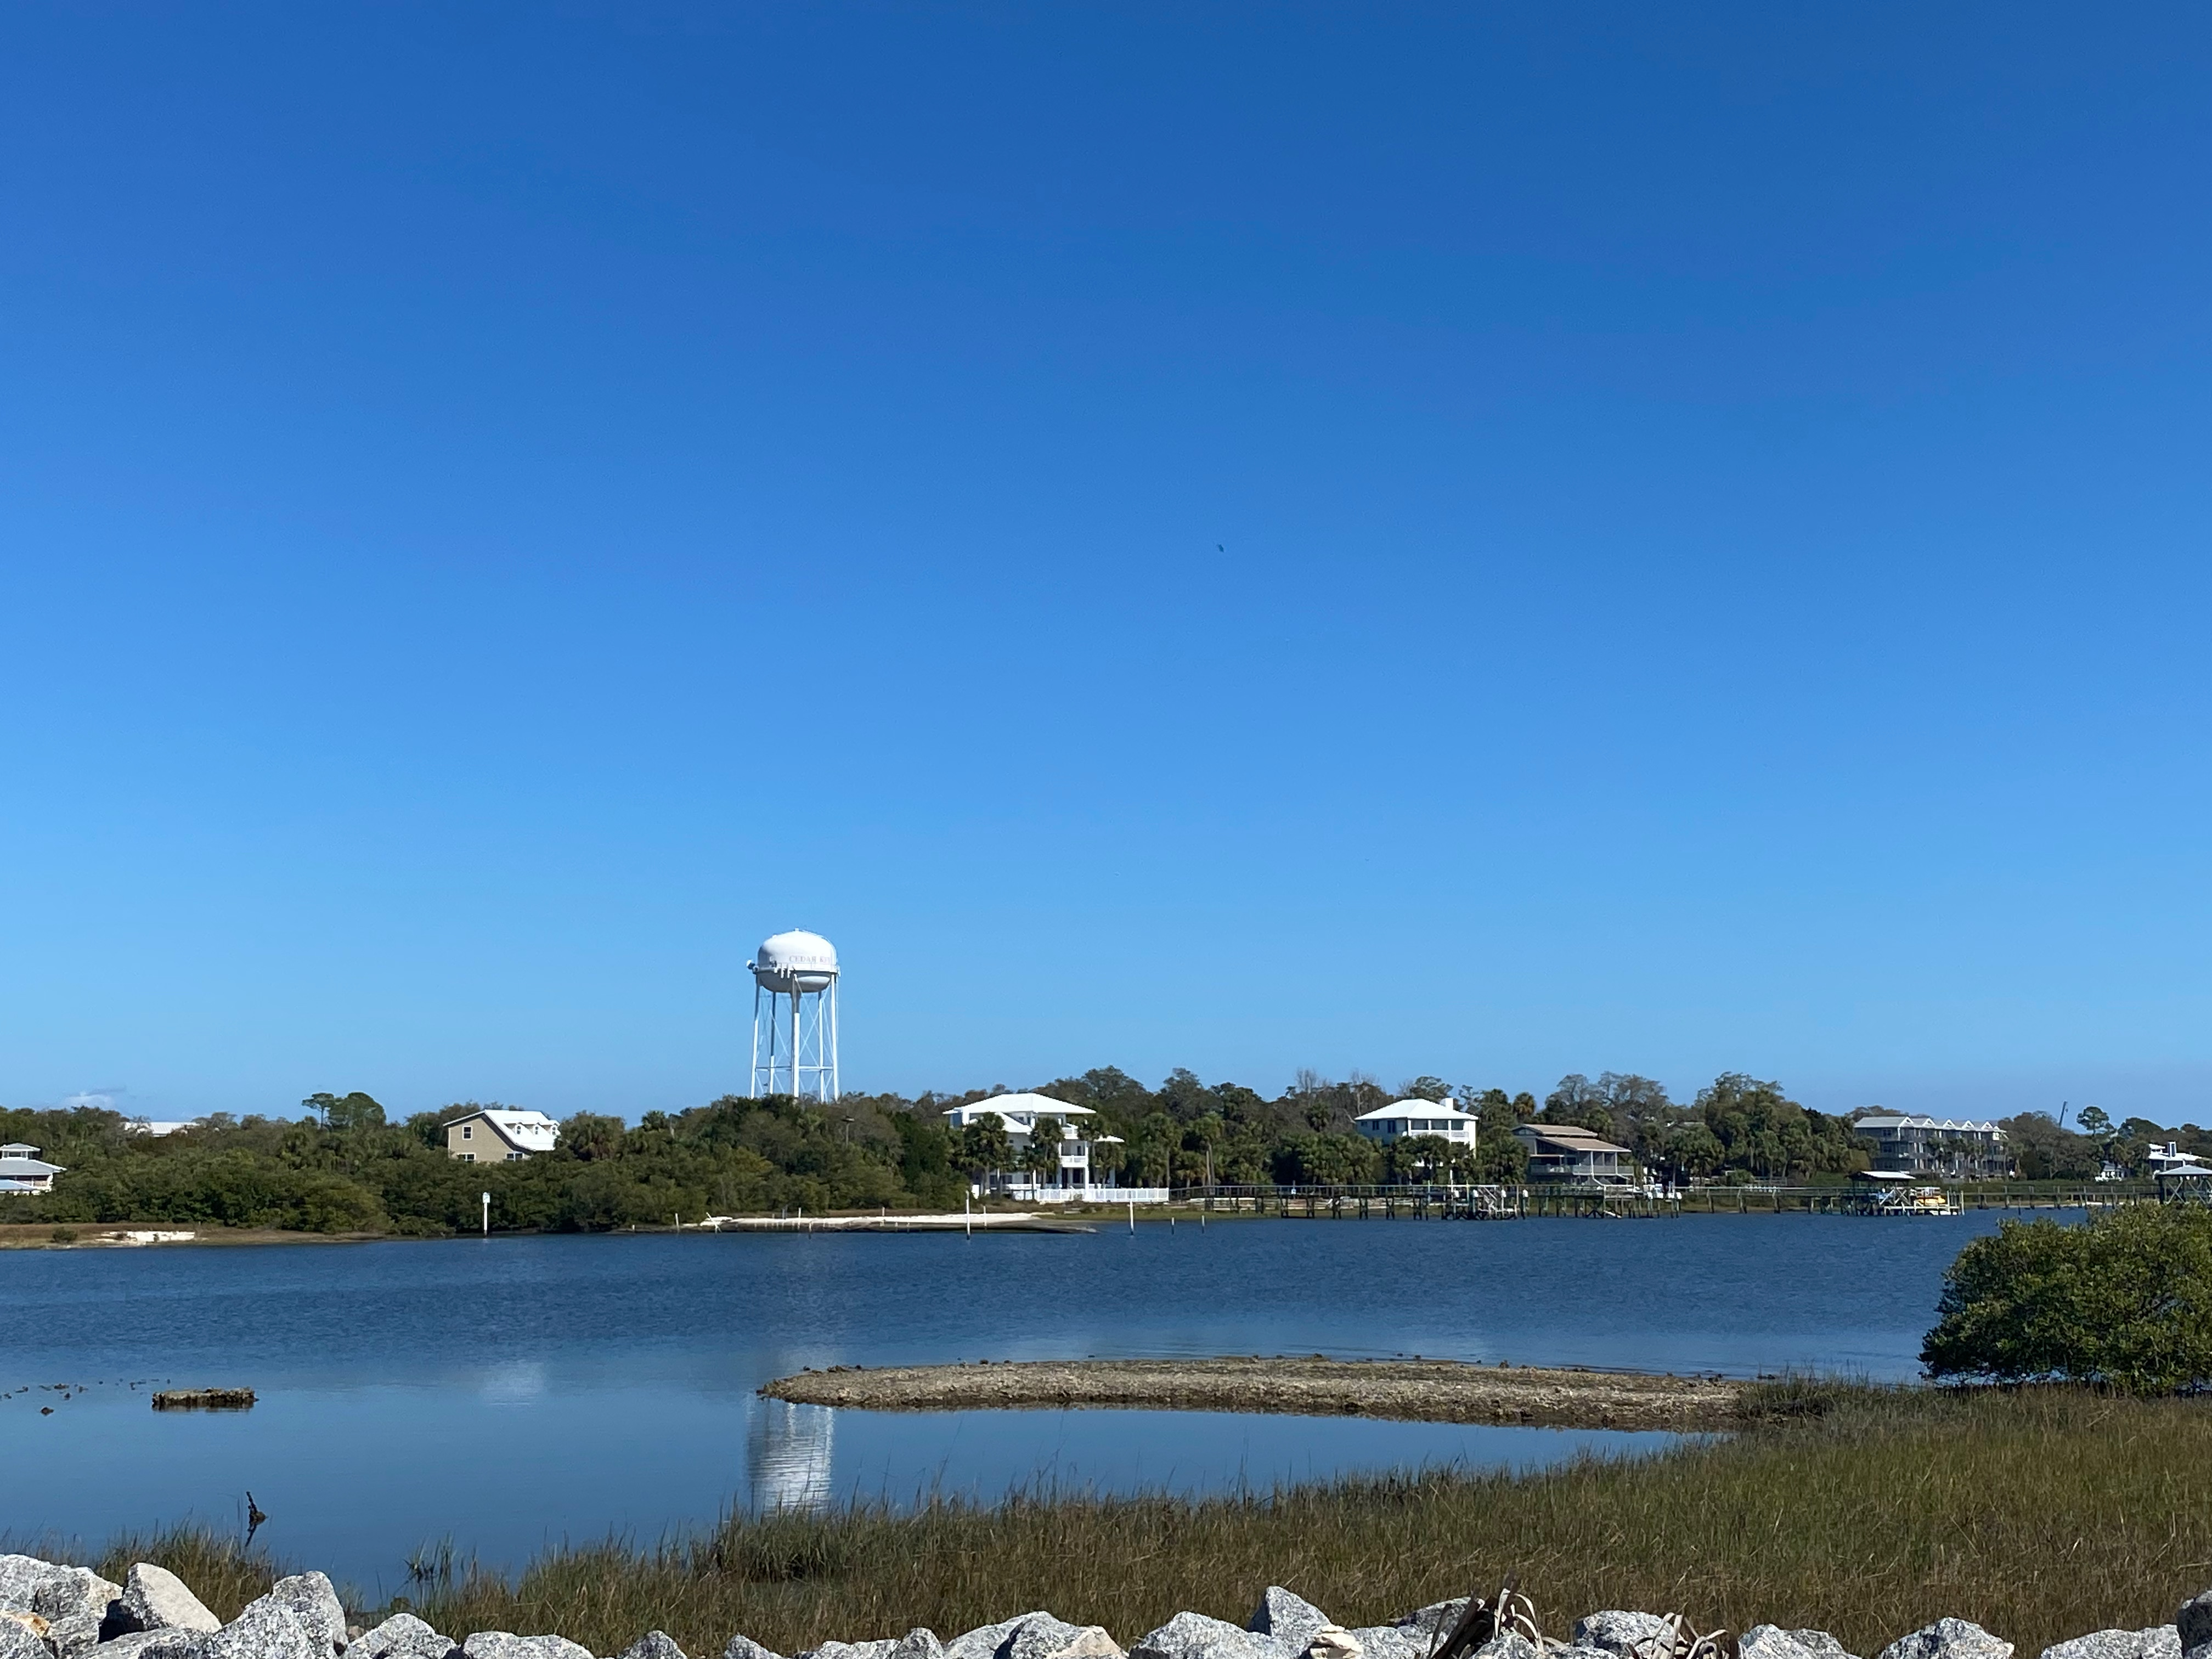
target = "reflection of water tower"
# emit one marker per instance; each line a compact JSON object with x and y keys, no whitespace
{"x":795,"y":1017}
{"x":788,"y":1455}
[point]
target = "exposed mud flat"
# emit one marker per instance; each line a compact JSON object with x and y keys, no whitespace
{"x":1416,"y":1390}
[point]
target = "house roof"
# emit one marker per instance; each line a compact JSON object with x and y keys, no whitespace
{"x":1034,"y":1104}
{"x":8,"y":1186}
{"x":18,"y":1149}
{"x":1416,"y":1107}
{"x":1920,"y":1120}
{"x":1570,"y":1137}
{"x":26,"y":1169}
{"x":531,"y":1130}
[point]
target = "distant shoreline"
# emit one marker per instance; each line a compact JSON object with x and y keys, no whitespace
{"x":1411,"y":1390}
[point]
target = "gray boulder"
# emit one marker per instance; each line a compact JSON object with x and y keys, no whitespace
{"x":1438,"y":1619}
{"x":1194,"y":1636}
{"x":878,"y":1649}
{"x":310,"y":1599}
{"x":2160,"y":1641}
{"x":1949,"y":1638}
{"x":154,"y":1598}
{"x":73,"y":1600}
{"x":403,"y":1636}
{"x":986,"y":1641}
{"x":919,"y":1642}
{"x":506,"y":1644}
{"x":654,"y":1645}
{"x":744,"y":1647}
{"x":2193,"y":1627}
{"x":1507,"y":1644}
{"x":1032,"y":1635}
{"x":1627,"y":1635}
{"x":18,"y":1640}
{"x":1041,"y":1636}
{"x":1397,"y":1641}
{"x":1821,"y":1645}
{"x":265,"y":1629}
{"x":1290,"y":1620}
{"x":1772,"y":1642}
{"x":155,"y":1644}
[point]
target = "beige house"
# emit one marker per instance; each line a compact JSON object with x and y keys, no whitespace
{"x":498,"y":1135}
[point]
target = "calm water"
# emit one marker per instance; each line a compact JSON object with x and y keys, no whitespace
{"x":515,"y":1392}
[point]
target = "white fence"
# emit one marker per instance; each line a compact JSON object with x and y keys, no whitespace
{"x":1049,"y":1194}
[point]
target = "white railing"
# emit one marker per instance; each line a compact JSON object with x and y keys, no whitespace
{"x":1086,"y":1194}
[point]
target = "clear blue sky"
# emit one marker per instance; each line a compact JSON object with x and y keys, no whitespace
{"x":1483,"y":540}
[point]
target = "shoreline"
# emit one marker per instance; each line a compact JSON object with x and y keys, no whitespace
{"x":1407,"y":1390}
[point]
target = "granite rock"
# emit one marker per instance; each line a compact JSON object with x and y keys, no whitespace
{"x":985,"y":1641}
{"x":1438,"y":1619}
{"x":1771,"y":1642}
{"x":1821,"y":1645}
{"x":2193,"y":1625}
{"x":1194,"y":1636}
{"x":654,"y":1645}
{"x":506,"y":1644}
{"x":1290,"y":1619}
{"x":154,"y":1598}
{"x":744,"y":1647}
{"x":1040,"y":1636}
{"x":1627,"y":1635}
{"x":878,"y":1649}
{"x":1397,"y":1641}
{"x":1949,"y":1638}
{"x":403,"y":1636}
{"x":19,"y":1641}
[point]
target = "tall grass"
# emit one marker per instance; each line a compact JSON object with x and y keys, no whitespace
{"x":2040,"y":1514}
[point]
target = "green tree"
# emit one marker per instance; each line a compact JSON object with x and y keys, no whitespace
{"x":985,"y":1146}
{"x":2096,"y":1123}
{"x":2124,"y":1300}
{"x":1041,"y":1158}
{"x":591,"y":1135}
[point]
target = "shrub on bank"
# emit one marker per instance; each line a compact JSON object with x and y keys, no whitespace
{"x":2124,"y":1300}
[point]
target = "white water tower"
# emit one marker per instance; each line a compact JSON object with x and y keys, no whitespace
{"x":795,"y":1017}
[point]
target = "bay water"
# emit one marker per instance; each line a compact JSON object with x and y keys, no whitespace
{"x":511,"y":1394}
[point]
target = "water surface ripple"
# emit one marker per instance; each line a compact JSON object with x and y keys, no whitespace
{"x":515,"y":1392}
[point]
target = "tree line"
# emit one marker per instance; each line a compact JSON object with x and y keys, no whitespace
{"x":344,"y":1165}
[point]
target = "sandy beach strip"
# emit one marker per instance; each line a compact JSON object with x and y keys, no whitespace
{"x":1418,"y":1390}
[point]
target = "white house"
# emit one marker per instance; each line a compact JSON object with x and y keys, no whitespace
{"x":2168,"y":1159}
{"x":23,"y":1171}
{"x":497,"y":1135}
{"x":1072,"y":1183}
{"x":1911,"y":1143}
{"x":1566,"y":1151}
{"x":1401,"y":1118}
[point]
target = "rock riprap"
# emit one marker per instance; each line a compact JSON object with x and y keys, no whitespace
{"x":50,"y":1610}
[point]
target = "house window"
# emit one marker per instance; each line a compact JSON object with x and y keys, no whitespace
{"x":468,"y":1157}
{"x":515,"y":1157}
{"x":467,"y":1133}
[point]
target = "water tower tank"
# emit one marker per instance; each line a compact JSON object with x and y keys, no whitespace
{"x":794,"y":962}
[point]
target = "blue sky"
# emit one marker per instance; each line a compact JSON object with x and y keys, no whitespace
{"x":1481,"y":540}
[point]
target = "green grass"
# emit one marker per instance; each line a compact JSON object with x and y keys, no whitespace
{"x":2040,"y":1514}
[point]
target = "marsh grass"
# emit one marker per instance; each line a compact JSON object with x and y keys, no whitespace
{"x":2039,"y":1513}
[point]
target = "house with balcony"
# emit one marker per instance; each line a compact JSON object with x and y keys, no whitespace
{"x":1072,"y":1180}
{"x":1568,"y":1152}
{"x":1403,"y":1118}
{"x":1910,"y":1143}
{"x":23,"y":1173}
